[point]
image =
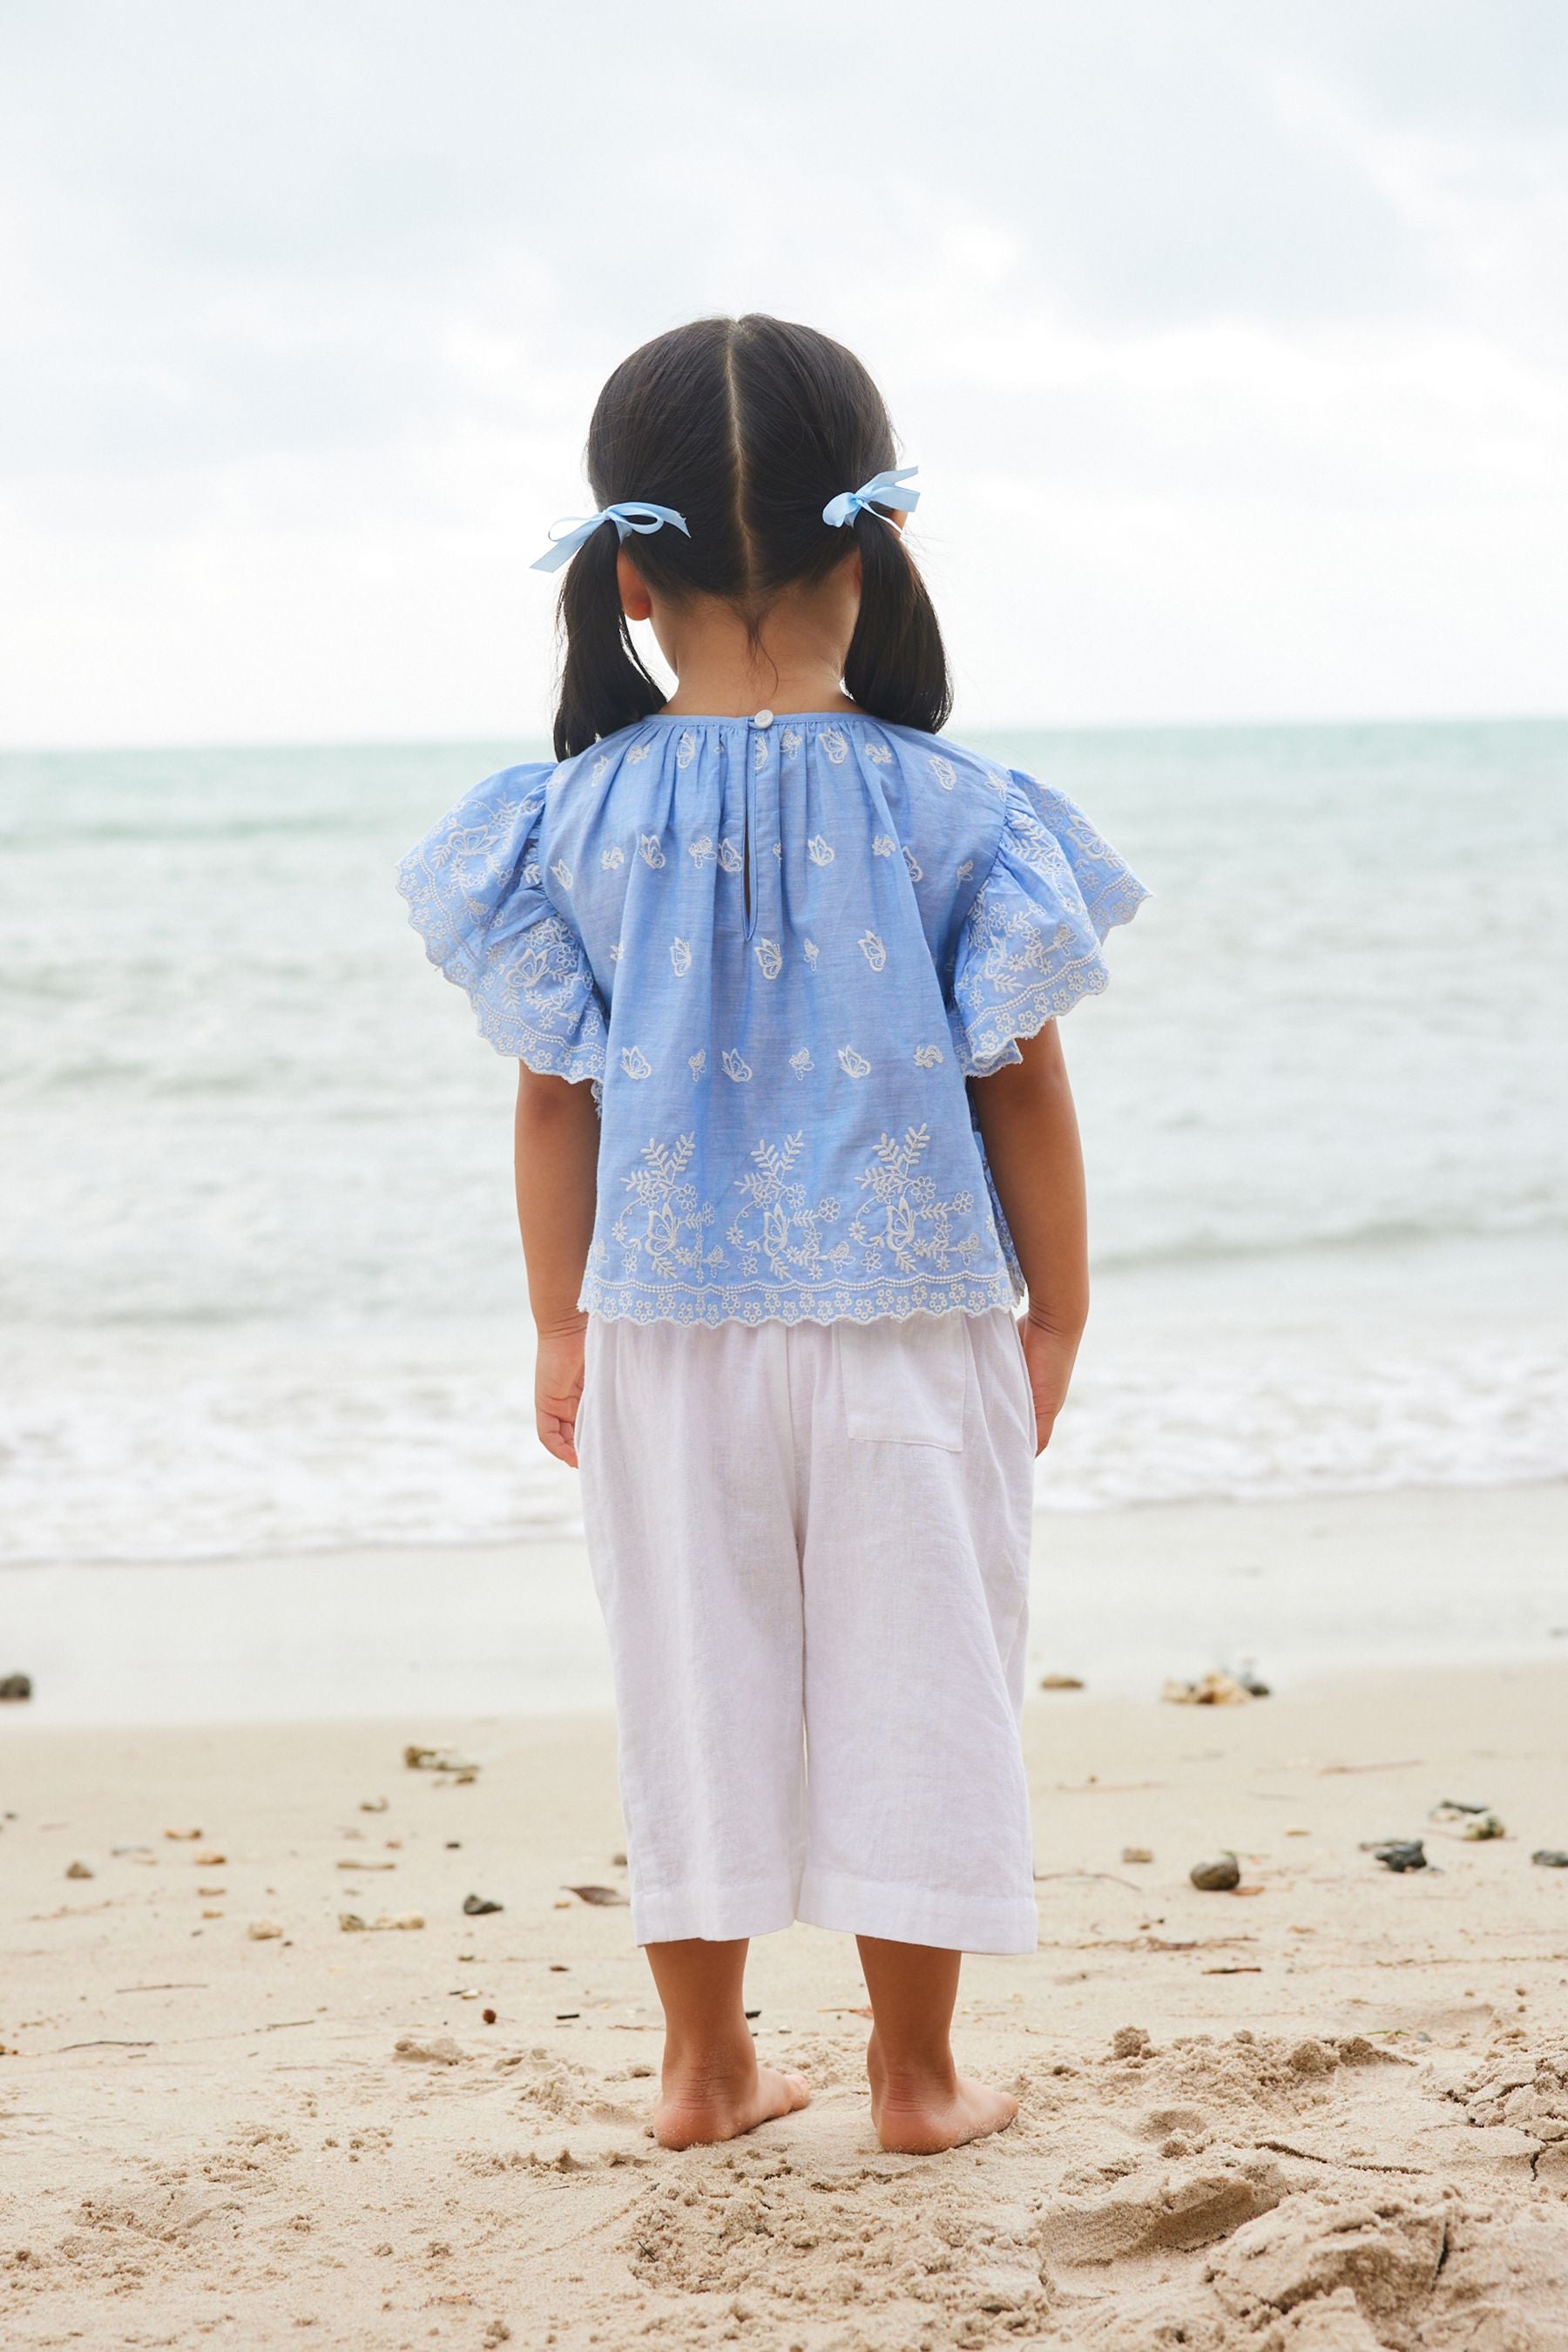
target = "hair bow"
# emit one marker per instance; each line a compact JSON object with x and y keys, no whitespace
{"x":631,"y":514}
{"x":882,"y":491}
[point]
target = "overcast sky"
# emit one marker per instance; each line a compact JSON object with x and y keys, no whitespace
{"x":1230,"y":337}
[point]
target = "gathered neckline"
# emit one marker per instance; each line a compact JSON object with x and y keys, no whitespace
{"x":747,"y":717}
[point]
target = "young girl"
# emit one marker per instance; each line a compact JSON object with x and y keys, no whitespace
{"x":781,"y":968}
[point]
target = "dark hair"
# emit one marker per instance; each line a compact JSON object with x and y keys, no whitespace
{"x":747,"y":427}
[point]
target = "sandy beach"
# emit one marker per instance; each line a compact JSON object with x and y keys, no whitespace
{"x":1329,"y":2110}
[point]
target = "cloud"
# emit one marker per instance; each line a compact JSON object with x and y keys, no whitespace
{"x":1213,"y":329}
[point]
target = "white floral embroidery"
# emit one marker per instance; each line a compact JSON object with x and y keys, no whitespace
{"x":927,"y":1056}
{"x":701,"y":852}
{"x":778,"y":1222}
{"x":680,"y":957}
{"x":778,"y":849}
{"x":769,"y":956}
{"x":878,"y":755}
{"x":616,"y":953}
{"x":734,"y":1067}
{"x":871,"y":947}
{"x":917,"y":871}
{"x":698,"y":1063}
{"x":995,"y":776}
{"x":729,"y":856}
{"x":612,"y":857}
{"x":664,"y":1218}
{"x":962,"y":872}
{"x":649,"y":851}
{"x":562,"y":873}
{"x":820,"y":852}
{"x":638,"y":752}
{"x":811,"y":951}
{"x":791,"y":738}
{"x":759,"y":751}
{"x":903,"y":1215}
{"x":883,"y":844}
{"x":635,"y":1063}
{"x":686,"y":749}
{"x":601,"y":768}
{"x":802,"y":1061}
{"x":853,"y":1064}
{"x":944,"y":772}
{"x":834,"y":744}
{"x":533,"y":874}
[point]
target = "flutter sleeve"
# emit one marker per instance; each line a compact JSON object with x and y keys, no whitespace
{"x":1030,"y":944}
{"x":476,"y":896}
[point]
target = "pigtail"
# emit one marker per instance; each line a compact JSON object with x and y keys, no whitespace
{"x":896,"y":668}
{"x":604,"y":686}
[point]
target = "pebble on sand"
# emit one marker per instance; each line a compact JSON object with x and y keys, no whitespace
{"x":351,"y":1923}
{"x":1061,"y":1682}
{"x":1551,"y":1857}
{"x":595,"y":1894}
{"x":1218,"y":1876}
{"x":1137,"y":1854}
{"x":1211,"y":1690}
{"x":262,"y":1931}
{"x":15,"y":1686}
{"x":1402,"y":1853}
{"x":479,"y":1907}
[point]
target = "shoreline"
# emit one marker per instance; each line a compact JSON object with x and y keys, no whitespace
{"x":1302,"y":1589}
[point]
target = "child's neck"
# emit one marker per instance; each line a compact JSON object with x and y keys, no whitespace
{"x":795,"y":663}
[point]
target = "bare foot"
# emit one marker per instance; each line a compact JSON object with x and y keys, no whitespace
{"x":692,"y":2108}
{"x":920,"y":2113}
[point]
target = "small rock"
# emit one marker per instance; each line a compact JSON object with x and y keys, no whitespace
{"x":1130,"y":2041}
{"x":594,"y":1894}
{"x":488,"y":2015}
{"x":1253,"y":1684}
{"x":1404,"y":1854}
{"x":479,"y":1907}
{"x":1209,"y":1690}
{"x":1216,"y":1877}
{"x":77,"y":1870}
{"x":438,"y":1760}
{"x":617,"y":1861}
{"x":209,"y":1861}
{"x":1481,"y":1826}
{"x":1551,"y":1857}
{"x":186,"y":1837}
{"x":372,"y":1804}
{"x":262,"y":1931}
{"x":15,"y":1686}
{"x":1061,"y":1682}
{"x":1137,"y":1854}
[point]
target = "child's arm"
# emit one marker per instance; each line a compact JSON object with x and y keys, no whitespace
{"x":557,"y":1151}
{"x":1030,"y":1132}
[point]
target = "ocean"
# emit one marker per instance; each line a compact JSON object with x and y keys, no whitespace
{"x":261,"y":1287}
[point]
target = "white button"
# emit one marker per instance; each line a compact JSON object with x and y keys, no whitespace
{"x":764,"y":719}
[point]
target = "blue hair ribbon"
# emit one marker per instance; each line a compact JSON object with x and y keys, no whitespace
{"x":882,"y":491}
{"x":630,"y":514}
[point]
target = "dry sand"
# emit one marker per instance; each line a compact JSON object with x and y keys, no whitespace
{"x":1325,"y":2113}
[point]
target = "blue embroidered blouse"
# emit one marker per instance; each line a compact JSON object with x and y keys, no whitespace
{"x":779,"y":947}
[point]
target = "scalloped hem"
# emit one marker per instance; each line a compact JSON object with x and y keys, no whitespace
{"x":991,"y":1044}
{"x":548,"y":1057}
{"x":628,"y":1302}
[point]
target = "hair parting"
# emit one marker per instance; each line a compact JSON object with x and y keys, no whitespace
{"x":747,"y":427}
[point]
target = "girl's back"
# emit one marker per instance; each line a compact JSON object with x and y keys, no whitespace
{"x":780,"y":946}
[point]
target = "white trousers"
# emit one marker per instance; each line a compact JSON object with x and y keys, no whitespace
{"x":811,"y":1545}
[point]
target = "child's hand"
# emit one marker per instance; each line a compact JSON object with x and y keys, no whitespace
{"x":558,"y":1391}
{"x":1049,"y":1356}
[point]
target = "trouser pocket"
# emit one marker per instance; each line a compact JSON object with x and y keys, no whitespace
{"x":903,"y":1384}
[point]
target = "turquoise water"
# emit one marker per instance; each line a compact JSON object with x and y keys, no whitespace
{"x":261,"y":1286}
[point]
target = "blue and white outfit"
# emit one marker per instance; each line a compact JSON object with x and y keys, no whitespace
{"x":779,"y":947}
